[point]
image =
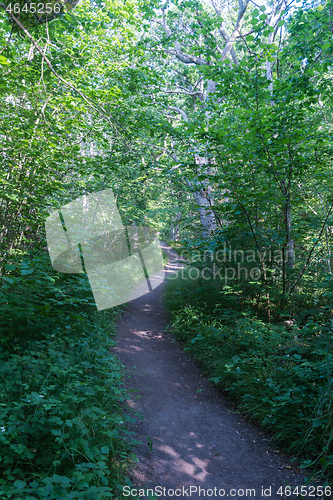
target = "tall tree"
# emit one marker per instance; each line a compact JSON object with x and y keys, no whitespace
{"x":191,"y":36}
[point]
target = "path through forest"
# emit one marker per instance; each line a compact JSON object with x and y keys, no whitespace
{"x":198,"y":439}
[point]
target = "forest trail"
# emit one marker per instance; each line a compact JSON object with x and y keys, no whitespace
{"x":198,"y":438}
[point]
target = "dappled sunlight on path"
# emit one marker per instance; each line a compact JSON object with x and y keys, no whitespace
{"x":198,"y":439}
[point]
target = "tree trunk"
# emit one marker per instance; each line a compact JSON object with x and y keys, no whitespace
{"x":289,"y":240}
{"x":204,"y":199}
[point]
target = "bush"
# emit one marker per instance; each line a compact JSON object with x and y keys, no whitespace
{"x":281,"y":377}
{"x":62,"y":431}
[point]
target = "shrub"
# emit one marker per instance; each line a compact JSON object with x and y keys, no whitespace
{"x":281,"y":377}
{"x":62,"y":431}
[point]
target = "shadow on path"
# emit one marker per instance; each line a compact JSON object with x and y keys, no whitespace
{"x":198,"y":439}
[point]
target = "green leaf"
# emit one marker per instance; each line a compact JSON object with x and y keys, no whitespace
{"x":4,"y":60}
{"x":128,"y":482}
{"x":19,"y":484}
{"x":9,"y":280}
{"x":56,"y":432}
{"x":25,"y":272}
{"x":10,"y":267}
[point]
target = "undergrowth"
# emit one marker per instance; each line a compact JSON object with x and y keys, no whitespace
{"x":62,"y":430}
{"x":281,"y":377}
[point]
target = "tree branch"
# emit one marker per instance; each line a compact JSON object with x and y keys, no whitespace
{"x":189,"y":93}
{"x":226,"y":37}
{"x":10,"y":36}
{"x":92,"y":104}
{"x":311,"y":252}
{"x":186,"y":58}
{"x":242,"y":6}
{"x":179,"y":111}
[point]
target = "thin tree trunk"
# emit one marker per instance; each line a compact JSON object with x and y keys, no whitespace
{"x":289,"y":240}
{"x":205,"y":199}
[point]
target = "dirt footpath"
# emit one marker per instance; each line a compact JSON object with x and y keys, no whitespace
{"x":197,"y":438}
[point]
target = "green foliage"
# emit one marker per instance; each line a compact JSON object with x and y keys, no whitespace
{"x":264,"y":133}
{"x":64,"y":134}
{"x":37,"y":301}
{"x":62,"y":431}
{"x":279,"y":376}
{"x":122,"y":101}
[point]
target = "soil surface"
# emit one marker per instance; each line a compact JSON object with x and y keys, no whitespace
{"x":191,"y":437}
